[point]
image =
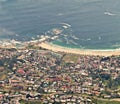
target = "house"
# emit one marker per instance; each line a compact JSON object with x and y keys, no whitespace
{"x":21,"y":71}
{"x":1,"y":96}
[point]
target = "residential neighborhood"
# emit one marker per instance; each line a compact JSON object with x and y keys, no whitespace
{"x":57,"y":78}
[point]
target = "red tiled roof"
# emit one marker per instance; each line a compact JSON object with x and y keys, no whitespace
{"x":21,"y":71}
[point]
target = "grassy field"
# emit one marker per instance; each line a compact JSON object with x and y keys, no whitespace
{"x":70,"y":58}
{"x":106,"y":102}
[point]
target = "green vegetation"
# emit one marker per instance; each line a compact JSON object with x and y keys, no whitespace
{"x":30,"y":102}
{"x":31,"y":46}
{"x":68,"y":58}
{"x":106,"y":102}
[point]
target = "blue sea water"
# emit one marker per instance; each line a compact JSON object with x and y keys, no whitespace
{"x":94,"y":24}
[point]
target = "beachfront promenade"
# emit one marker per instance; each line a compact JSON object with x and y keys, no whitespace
{"x":56,"y":48}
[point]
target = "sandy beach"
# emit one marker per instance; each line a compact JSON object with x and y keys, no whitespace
{"x":56,"y":48}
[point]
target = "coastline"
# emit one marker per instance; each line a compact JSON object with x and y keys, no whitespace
{"x":57,"y":48}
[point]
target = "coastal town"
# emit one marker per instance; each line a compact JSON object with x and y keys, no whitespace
{"x":34,"y":75}
{"x":59,"y":51}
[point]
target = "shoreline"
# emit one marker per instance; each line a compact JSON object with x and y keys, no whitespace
{"x":57,"y":48}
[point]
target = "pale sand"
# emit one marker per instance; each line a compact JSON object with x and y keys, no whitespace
{"x":115,"y":99}
{"x":7,"y":47}
{"x":56,"y":48}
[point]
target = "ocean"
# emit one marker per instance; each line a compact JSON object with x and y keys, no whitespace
{"x":86,"y":24}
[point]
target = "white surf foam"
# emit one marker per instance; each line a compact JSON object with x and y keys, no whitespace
{"x":109,"y":13}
